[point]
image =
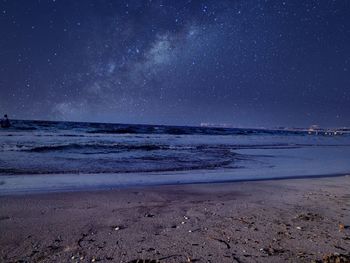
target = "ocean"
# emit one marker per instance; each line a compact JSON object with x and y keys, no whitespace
{"x":64,"y":156}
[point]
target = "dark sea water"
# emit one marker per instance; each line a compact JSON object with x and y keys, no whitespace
{"x":67,"y":155}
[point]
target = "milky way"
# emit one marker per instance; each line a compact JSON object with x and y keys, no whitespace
{"x":242,"y":63}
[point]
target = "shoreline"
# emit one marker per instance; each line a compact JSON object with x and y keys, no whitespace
{"x":12,"y":185}
{"x":257,"y":221}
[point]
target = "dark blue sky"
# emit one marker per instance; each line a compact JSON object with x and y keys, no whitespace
{"x":244,"y":63}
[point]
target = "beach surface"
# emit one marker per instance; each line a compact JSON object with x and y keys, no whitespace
{"x":297,"y":220}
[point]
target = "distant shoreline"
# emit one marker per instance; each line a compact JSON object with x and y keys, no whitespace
{"x":200,"y":125}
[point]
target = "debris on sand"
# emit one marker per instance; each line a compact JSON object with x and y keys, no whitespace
{"x":144,"y":261}
{"x":118,"y":227}
{"x":309,"y":217}
{"x":191,"y":259}
{"x":149,"y":215}
{"x":222,"y":241}
{"x":272,"y":251}
{"x":334,"y":258}
{"x":341,"y":227}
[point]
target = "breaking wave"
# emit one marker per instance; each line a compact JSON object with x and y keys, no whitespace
{"x":37,"y":147}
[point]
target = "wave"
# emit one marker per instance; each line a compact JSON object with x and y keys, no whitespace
{"x":139,"y":129}
{"x":154,"y":162}
{"x":110,"y":147}
{"x":116,"y":131}
{"x":98,"y":146}
{"x":118,"y":147}
{"x":202,"y":166}
{"x":82,"y":147}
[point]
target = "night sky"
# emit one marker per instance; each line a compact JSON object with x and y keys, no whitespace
{"x":244,"y":63}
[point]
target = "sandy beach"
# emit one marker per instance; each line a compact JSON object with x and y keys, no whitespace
{"x":301,"y":220}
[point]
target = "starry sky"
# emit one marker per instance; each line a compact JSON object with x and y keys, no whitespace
{"x":245,"y":63}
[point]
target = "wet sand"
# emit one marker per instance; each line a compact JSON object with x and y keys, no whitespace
{"x":298,"y":220}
